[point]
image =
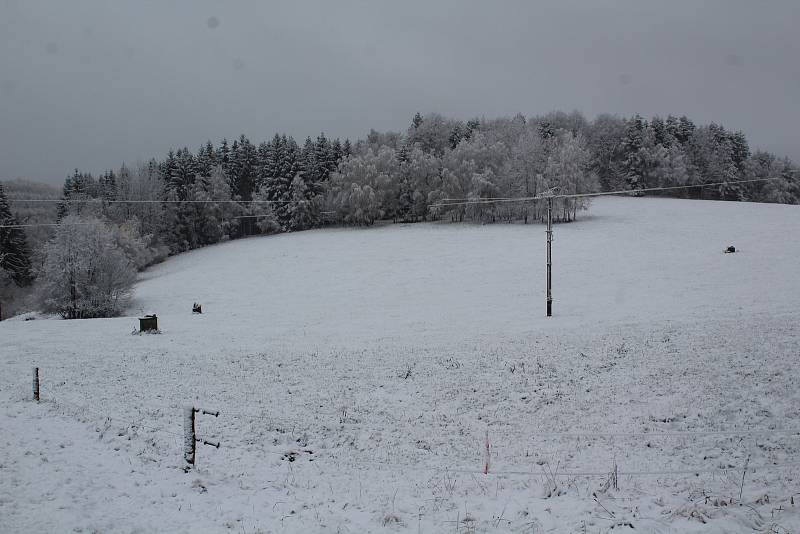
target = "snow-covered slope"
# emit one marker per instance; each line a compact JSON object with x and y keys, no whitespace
{"x":630,"y":260}
{"x":383,"y":358}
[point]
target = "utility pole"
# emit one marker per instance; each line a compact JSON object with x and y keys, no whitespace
{"x":549,"y":257}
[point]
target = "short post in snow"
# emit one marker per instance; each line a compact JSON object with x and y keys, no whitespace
{"x":36,"y":384}
{"x":487,"y":458}
{"x":190,"y":435}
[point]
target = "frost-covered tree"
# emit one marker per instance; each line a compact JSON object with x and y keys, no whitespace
{"x":604,"y":138}
{"x":360,"y":191}
{"x":419,"y":175}
{"x":432,"y":133}
{"x":304,"y":209}
{"x":85,"y":272}
{"x":526,"y":168}
{"x":139,"y":192}
{"x":568,"y":171}
{"x":483,"y":188}
{"x":409,"y":176}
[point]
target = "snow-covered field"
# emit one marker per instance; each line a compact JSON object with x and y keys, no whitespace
{"x":358,"y":374}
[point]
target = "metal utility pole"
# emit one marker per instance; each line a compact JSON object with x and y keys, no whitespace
{"x":549,"y":257}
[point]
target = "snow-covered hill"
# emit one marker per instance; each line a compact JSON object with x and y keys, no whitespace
{"x":382,"y":358}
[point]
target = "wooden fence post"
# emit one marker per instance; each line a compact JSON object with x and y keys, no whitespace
{"x":36,"y":384}
{"x":487,"y":456}
{"x":189,"y":437}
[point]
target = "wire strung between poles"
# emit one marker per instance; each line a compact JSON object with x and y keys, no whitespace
{"x":466,"y":201}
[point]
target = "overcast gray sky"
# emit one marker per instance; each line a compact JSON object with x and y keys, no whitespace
{"x":93,"y":83}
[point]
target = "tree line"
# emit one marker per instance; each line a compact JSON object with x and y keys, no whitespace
{"x":438,"y":169}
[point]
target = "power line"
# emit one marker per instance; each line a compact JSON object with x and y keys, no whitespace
{"x":446,"y":202}
{"x":40,"y":224}
{"x":443,"y":202}
{"x":492,"y":200}
{"x":84,"y":224}
{"x":104,"y":201}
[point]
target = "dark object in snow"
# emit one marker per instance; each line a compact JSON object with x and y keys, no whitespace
{"x":730,"y":250}
{"x":148,"y":322}
{"x":197,"y":308}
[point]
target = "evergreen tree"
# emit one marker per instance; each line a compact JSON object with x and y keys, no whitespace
{"x":283,"y":163}
{"x":78,"y":188}
{"x":174,"y":223}
{"x":224,"y":156}
{"x":660,"y":132}
{"x":182,"y":173}
{"x":336,"y":152}
{"x":311,"y":169}
{"x":263,"y":159}
{"x":740,"y":150}
{"x":290,"y":168}
{"x":108,"y":185}
{"x":671,"y":125}
{"x":472,"y":127}
{"x":14,"y":254}
{"x":635,"y":163}
{"x":206,"y":159}
{"x":684,"y":130}
{"x":402,"y":154}
{"x":243,"y":168}
{"x":457,"y":134}
{"x":546,"y":130}
{"x":325,"y":160}
{"x":302,"y":214}
{"x":167,"y":168}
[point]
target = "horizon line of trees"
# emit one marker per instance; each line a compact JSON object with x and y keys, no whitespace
{"x":237,"y":189}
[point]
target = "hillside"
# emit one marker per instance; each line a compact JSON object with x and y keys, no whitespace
{"x":380,"y":360}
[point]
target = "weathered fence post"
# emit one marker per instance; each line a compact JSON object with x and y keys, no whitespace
{"x":190,"y":435}
{"x":36,"y":384}
{"x":487,"y":456}
{"x":189,"y":439}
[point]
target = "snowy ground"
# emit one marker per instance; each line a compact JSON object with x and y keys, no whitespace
{"x":379,"y":360}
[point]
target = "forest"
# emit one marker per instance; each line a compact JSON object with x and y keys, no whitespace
{"x":439,"y":169}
